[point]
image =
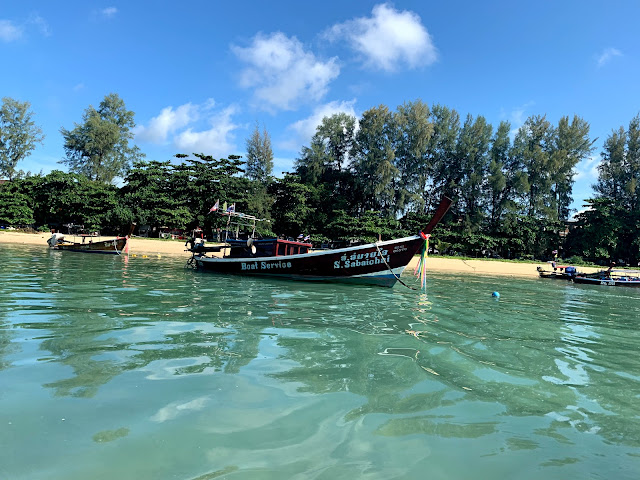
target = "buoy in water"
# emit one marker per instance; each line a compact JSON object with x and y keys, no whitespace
{"x":495,"y":294}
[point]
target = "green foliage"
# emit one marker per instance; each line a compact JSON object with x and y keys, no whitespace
{"x":575,"y":260}
{"x":619,"y":171}
{"x":149,"y":193}
{"x":99,"y":147}
{"x":368,"y":227}
{"x":18,"y":135}
{"x":290,"y":211}
{"x":413,"y":131}
{"x":374,"y":164}
{"x":606,"y":231}
{"x":60,"y":198}
{"x":511,"y":199}
{"x":180,"y":196}
{"x":259,"y":156}
{"x":15,"y":209}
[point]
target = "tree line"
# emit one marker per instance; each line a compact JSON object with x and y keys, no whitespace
{"x":359,"y":179}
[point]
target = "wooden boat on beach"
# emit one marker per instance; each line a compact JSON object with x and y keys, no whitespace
{"x":559,"y":272}
{"x":89,"y":244}
{"x":611,"y":278}
{"x":380,"y":263}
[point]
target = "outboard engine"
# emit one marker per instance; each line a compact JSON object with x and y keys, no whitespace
{"x":571,"y":271}
{"x":55,"y":239}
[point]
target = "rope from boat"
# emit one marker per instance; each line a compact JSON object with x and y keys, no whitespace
{"x":470,"y":266}
{"x":115,"y":246}
{"x":390,"y":269}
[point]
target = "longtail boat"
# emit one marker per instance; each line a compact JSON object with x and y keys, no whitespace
{"x":380,"y":263}
{"x":559,"y":272}
{"x":114,"y":246}
{"x":611,"y":278}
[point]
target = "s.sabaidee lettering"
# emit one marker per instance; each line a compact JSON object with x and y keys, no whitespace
{"x":265,"y":265}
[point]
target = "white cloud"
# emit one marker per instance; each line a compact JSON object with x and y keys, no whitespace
{"x":304,"y":129}
{"x":40,"y":24}
{"x":517,"y":117}
{"x":216,"y":141}
{"x":175,"y":409}
{"x":283,"y":73}
{"x":388,"y":39}
{"x":587,"y":169}
{"x":167,"y":122}
{"x":109,"y":12}
{"x":180,"y":127}
{"x":9,"y":31}
{"x":606,"y":56}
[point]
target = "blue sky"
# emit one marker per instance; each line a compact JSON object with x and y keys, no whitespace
{"x":200,"y":74}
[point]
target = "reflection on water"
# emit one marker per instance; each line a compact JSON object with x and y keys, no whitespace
{"x":139,"y":368}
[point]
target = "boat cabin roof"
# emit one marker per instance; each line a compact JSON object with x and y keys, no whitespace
{"x":270,"y":247}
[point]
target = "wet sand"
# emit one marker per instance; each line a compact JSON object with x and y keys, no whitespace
{"x":156,"y":247}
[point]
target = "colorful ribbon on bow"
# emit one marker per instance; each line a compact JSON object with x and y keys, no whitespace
{"x":421,"y":268}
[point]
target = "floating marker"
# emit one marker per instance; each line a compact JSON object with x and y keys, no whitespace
{"x":495,"y":294}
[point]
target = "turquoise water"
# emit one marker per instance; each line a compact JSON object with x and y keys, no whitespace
{"x":115,"y":368}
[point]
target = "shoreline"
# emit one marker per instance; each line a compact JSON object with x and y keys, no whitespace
{"x":146,"y":246}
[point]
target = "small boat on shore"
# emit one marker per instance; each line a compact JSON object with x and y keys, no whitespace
{"x":380,"y":263}
{"x":559,"y":272}
{"x":89,"y":244}
{"x":611,"y":278}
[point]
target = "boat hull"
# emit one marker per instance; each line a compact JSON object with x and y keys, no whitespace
{"x":555,"y":275}
{"x":109,"y":247}
{"x":610,"y":282}
{"x":379,"y":263}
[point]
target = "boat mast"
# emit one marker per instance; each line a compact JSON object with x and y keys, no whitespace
{"x":237,"y":220}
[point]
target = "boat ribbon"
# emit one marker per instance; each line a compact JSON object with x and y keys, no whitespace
{"x":421,"y":268}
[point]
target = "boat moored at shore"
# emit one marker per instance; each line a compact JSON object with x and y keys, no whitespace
{"x":90,"y":243}
{"x":610,"y":278}
{"x":380,"y":263}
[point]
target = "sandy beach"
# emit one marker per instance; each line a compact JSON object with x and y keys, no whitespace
{"x":149,"y":246}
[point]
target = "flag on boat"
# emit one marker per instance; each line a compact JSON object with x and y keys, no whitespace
{"x":232,"y":208}
{"x":307,"y":238}
{"x":300,"y":237}
{"x":215,"y":207}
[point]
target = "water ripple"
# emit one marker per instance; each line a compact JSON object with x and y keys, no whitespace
{"x":238,"y":374}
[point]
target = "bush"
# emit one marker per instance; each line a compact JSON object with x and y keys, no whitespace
{"x":575,"y":260}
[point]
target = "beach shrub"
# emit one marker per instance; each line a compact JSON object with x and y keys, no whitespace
{"x":575,"y":260}
{"x":15,"y":209}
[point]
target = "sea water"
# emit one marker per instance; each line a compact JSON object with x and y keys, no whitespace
{"x":115,"y":367}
